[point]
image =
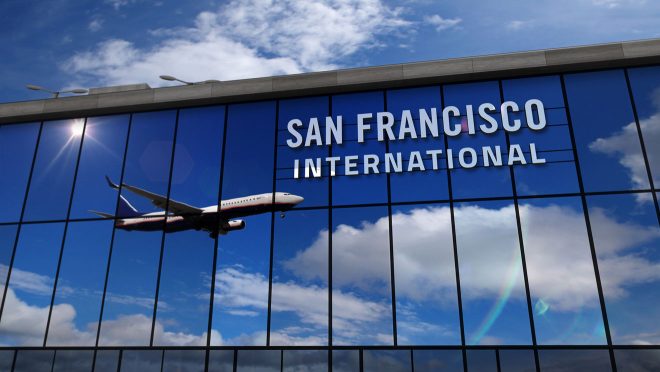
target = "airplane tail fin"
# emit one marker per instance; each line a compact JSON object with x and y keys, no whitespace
{"x":104,"y":215}
{"x":125,"y":209}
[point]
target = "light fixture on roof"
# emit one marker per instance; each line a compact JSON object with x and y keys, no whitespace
{"x":57,"y":93}
{"x":172,"y":78}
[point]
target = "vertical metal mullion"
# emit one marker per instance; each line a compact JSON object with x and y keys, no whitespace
{"x":391,"y":236}
{"x":272,"y":226}
{"x":641,"y":142}
{"x":66,"y":228}
{"x":112,"y":237}
{"x":521,"y":245}
{"x":281,"y":360}
{"x":52,"y":361}
{"x":235,"y":367}
{"x":20,"y":219}
{"x":121,"y":356}
{"x":412,"y":361}
{"x":594,"y":259}
{"x":361,"y":359}
{"x":162,"y":360}
{"x":454,"y":244}
{"x":162,"y":240}
{"x":13,"y":360}
{"x":330,"y":229}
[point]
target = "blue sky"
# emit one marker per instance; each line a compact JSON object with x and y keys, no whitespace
{"x":65,"y":43}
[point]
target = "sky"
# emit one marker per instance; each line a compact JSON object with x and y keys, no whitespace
{"x":62,"y":44}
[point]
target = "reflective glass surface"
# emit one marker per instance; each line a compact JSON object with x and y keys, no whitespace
{"x":259,"y":360}
{"x":106,"y":361}
{"x":34,"y":361}
{"x":481,"y":361}
{"x":386,"y":360}
{"x":574,"y":360}
{"x":141,"y":360}
{"x":73,"y":360}
{"x":645,"y":84}
{"x":7,"y":239}
{"x":305,"y":361}
{"x":17,"y":145}
{"x":438,"y":360}
{"x":184,"y":361}
{"x":637,"y":360}
{"x":221,"y":361}
{"x":517,"y":360}
{"x":6,"y":359}
{"x":345,"y":361}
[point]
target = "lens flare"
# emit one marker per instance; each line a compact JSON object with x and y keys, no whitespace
{"x":77,"y":128}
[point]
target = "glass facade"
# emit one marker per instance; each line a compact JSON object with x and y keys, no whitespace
{"x":463,"y":259}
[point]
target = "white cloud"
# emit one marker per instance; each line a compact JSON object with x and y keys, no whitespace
{"x":611,"y":4}
{"x":95,"y":25}
{"x":517,"y":25}
{"x":245,"y":39}
{"x":440,"y":23}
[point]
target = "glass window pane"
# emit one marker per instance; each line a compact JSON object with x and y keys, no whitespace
{"x":430,"y":184}
{"x":52,"y":177}
{"x":34,"y":361}
{"x":605,"y":131}
{"x":387,"y":360}
{"x":561,"y":274}
{"x":574,"y":360}
{"x":73,"y":360}
{"x":106,"y":361}
{"x":7,"y":239}
{"x":345,"y":361}
{"x":438,"y":360}
{"x":517,"y":361}
{"x":141,"y":360}
{"x":102,"y":155}
{"x":259,"y":360}
{"x":637,"y":360}
{"x":481,"y":361}
{"x":17,"y":145}
{"x":362,"y":296}
{"x":492,"y":286}
{"x":184,"y":361}
{"x":627,"y":240}
{"x":305,"y":361}
{"x":77,"y":303}
{"x":427,"y":302}
{"x":6,"y":359}
{"x":645,"y":84}
{"x":300,"y":279}
{"x":221,"y":361}
{"x":30,"y":289}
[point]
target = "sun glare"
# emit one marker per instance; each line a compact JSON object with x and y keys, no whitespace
{"x":77,"y":128}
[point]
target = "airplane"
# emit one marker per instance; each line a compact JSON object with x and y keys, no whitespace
{"x":181,"y":216}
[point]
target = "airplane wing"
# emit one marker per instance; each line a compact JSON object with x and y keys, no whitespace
{"x":160,"y":201}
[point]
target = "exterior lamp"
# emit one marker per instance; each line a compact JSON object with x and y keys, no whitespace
{"x":57,"y":93}
{"x":172,"y":78}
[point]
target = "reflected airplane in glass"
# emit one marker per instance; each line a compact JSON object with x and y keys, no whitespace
{"x":181,"y":216}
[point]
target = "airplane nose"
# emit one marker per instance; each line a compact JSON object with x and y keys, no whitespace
{"x":299,"y":199}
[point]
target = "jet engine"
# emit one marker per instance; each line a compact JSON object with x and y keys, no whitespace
{"x":233,"y":225}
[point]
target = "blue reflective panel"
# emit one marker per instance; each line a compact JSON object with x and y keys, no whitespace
{"x":312,"y":113}
{"x":7,"y":239}
{"x":184,"y":361}
{"x":106,"y":361}
{"x":481,"y":361}
{"x":141,"y":361}
{"x":259,"y":360}
{"x":345,"y":361}
{"x":387,"y":360}
{"x":129,"y":301}
{"x":17,"y":144}
{"x":637,"y":360}
{"x":492,"y":286}
{"x":517,"y":360}
{"x":479,"y":181}
{"x":574,"y":360}
{"x":27,"y":302}
{"x":73,"y":361}
{"x":426,"y":298}
{"x":361,"y":188}
{"x":221,"y":361}
{"x":430,"y":184}
{"x":54,"y":168}
{"x":6,"y":359}
{"x":148,"y":158}
{"x":300,"y":279}
{"x":645,"y":84}
{"x":305,"y":361}
{"x":561,"y":274}
{"x":102,"y":155}
{"x":605,"y":131}
{"x":438,"y":360}
{"x":627,"y":240}
{"x":78,"y":297}
{"x":34,"y":361}
{"x":361,"y":291}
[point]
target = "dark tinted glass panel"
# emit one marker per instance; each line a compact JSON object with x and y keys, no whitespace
{"x":102,"y":155}
{"x":637,"y":360}
{"x":34,"y":361}
{"x":6,"y":359}
{"x":312,"y":113}
{"x":386,"y":360}
{"x":184,"y":361}
{"x":17,"y":145}
{"x":80,"y":285}
{"x":627,"y":240}
{"x":305,"y":361}
{"x":54,"y":168}
{"x":430,"y":184}
{"x":361,"y":188}
{"x":73,"y":360}
{"x":141,"y":360}
{"x":645,"y":83}
{"x":561,"y":274}
{"x":345,"y":361}
{"x":27,"y":302}
{"x":574,"y":360}
{"x":300,"y":279}
{"x":469,"y":182}
{"x":517,"y":361}
{"x":106,"y":361}
{"x":361,"y":294}
{"x":259,"y":360}
{"x":492,"y":286}
{"x":427,"y":306}
{"x":7,"y":239}
{"x":221,"y":361}
{"x":605,"y":131}
{"x":481,"y":361}
{"x":438,"y":360}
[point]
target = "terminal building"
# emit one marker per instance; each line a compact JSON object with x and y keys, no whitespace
{"x":495,"y":213}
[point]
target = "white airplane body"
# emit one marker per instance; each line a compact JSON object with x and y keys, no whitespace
{"x":180,"y":216}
